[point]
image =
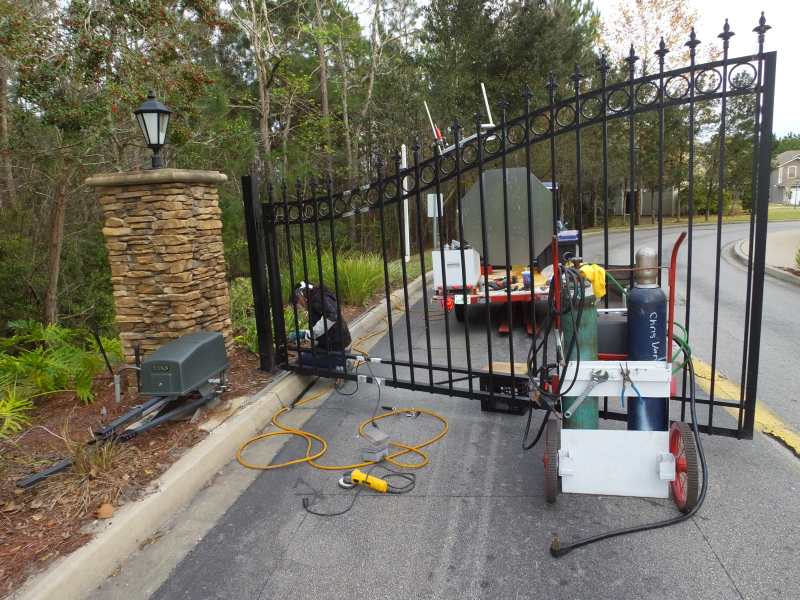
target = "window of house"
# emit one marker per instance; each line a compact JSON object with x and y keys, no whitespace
{"x":780,"y":172}
{"x":791,"y":172}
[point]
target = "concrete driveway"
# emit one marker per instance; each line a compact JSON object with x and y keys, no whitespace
{"x":476,"y":525}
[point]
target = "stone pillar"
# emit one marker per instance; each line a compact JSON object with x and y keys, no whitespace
{"x":163,"y":232}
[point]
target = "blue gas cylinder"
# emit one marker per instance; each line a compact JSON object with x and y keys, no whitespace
{"x":647,"y":338}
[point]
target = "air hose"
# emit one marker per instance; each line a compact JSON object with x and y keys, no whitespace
{"x":558,"y":550}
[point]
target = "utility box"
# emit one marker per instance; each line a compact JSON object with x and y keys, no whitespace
{"x":517,"y":180}
{"x":183,"y":365}
{"x":452,"y":264}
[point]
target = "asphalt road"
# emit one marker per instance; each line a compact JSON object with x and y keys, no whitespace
{"x":779,"y":375}
{"x":476,"y":525}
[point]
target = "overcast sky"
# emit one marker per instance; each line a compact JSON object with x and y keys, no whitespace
{"x":784,"y":37}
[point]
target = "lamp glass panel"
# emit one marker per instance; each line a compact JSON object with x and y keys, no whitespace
{"x":141,"y":122}
{"x":163,"y":122}
{"x":151,"y":126}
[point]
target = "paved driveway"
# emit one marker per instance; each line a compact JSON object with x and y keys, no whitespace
{"x":476,"y":525}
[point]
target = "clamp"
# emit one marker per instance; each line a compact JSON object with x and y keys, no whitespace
{"x":626,"y":380}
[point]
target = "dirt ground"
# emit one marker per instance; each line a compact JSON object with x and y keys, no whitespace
{"x":52,"y":519}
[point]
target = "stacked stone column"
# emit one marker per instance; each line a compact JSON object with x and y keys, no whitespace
{"x":163,"y":232}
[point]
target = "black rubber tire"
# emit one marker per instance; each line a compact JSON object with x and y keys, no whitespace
{"x":461,"y":312}
{"x":692,"y":469}
{"x":552,"y":444}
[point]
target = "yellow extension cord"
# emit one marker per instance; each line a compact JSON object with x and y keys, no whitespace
{"x":311,"y":457}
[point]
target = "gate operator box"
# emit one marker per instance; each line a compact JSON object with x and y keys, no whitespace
{"x":183,"y":365}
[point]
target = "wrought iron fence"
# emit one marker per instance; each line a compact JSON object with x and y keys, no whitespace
{"x":574,"y":143}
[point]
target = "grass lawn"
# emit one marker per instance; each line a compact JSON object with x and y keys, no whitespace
{"x":776,"y":213}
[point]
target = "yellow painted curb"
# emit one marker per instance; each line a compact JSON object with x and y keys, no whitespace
{"x":766,"y":421}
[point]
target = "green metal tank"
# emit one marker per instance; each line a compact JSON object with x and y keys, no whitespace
{"x":586,"y":416}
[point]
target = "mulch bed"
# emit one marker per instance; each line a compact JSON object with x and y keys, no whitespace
{"x":50,"y":519}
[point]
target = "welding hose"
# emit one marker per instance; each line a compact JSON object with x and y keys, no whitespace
{"x":575,"y":296}
{"x":557,"y":549}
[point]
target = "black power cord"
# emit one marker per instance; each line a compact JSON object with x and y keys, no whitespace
{"x":558,"y":550}
{"x":410,"y":480}
{"x":572,"y":298}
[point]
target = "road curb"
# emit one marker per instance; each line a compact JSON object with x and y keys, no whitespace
{"x":77,"y":574}
{"x":697,"y":225}
{"x":743,"y":258}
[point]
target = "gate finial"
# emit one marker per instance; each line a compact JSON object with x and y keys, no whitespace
{"x":662,"y":50}
{"x":551,"y":83}
{"x":631,"y":58}
{"x":761,"y":30}
{"x":602,"y":65}
{"x":503,"y":106}
{"x":576,"y":75}
{"x":693,"y":41}
{"x":726,"y":34}
{"x":527,"y":93}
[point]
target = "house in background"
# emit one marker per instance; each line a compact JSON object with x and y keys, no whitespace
{"x":785,"y":178}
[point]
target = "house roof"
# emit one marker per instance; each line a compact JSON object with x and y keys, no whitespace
{"x":785,"y":157}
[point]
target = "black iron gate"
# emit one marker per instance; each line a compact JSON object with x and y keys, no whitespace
{"x":599,"y":153}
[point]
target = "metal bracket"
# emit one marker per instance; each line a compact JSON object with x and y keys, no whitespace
{"x":566,"y":464}
{"x":666,"y":466}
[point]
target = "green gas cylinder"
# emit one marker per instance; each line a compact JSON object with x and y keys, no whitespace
{"x":586,"y":416}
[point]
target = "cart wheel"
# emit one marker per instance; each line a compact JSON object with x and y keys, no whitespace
{"x":552,"y":443}
{"x":683,"y":447}
{"x":460,"y":312}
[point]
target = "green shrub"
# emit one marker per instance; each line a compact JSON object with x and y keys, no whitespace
{"x":15,"y":406}
{"x":360,"y":277}
{"x":36,"y":360}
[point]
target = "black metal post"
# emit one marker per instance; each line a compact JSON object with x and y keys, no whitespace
{"x":299,"y":204}
{"x":661,"y":53}
{"x":421,"y":248}
{"x":760,"y":248}
{"x":761,"y":30}
{"x":486,"y":261}
{"x":460,"y":217}
{"x":437,"y":166}
{"x":256,"y":248}
{"x":725,"y":35}
{"x":274,"y":279}
{"x":692,"y":45}
{"x":384,"y":254}
{"x":398,"y":195}
{"x":576,"y":79}
{"x":603,"y":68}
{"x":510,"y":305}
{"x":631,"y":60}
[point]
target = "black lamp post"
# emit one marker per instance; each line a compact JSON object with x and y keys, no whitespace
{"x":153,"y":118}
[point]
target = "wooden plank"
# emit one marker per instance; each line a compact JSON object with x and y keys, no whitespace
{"x":520,"y":368}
